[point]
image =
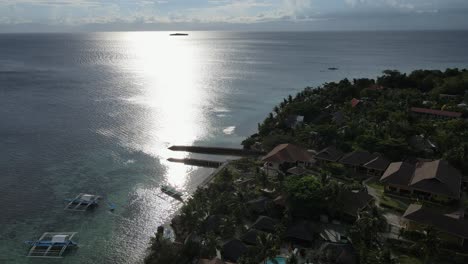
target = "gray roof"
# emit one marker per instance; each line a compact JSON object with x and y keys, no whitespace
{"x":330,"y":154}
{"x":251,"y":237}
{"x":440,"y":221}
{"x":297,"y":171}
{"x":378,"y":163}
{"x":212,"y":223}
{"x":233,"y":250}
{"x":265,"y":223}
{"x":259,"y":205}
{"x":338,"y":118}
{"x":353,"y":201}
{"x":357,"y":158}
{"x":301,"y":230}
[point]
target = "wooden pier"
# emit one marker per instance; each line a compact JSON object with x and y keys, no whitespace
{"x":198,"y":162}
{"x":217,"y":151}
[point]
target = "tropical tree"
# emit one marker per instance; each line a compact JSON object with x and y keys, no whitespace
{"x":429,"y":245}
{"x":366,"y":231}
{"x":267,"y":247}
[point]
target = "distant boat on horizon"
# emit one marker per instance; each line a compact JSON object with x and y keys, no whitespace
{"x":178,"y":34}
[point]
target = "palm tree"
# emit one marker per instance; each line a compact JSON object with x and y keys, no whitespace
{"x":267,"y":247}
{"x":367,"y":229}
{"x":428,"y":245}
{"x":276,"y":109}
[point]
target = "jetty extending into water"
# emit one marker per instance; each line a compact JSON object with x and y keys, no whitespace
{"x":198,"y":162}
{"x":217,"y":151}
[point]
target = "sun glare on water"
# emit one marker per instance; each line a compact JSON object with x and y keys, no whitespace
{"x":172,"y":93}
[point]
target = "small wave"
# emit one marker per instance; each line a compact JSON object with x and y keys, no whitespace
{"x":130,"y":161}
{"x":221,"y":110}
{"x":229,"y":130}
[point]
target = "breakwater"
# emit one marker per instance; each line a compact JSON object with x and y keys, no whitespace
{"x":217,"y":151}
{"x":198,"y":162}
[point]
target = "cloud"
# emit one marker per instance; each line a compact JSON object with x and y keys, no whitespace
{"x":79,"y":13}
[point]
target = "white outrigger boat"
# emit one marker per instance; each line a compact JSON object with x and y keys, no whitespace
{"x":51,"y":245}
{"x":171,"y":191}
{"x":82,"y":202}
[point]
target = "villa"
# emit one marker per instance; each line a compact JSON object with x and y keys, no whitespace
{"x":365,"y":162}
{"x":433,"y":179}
{"x":453,"y":227}
{"x":330,"y":154}
{"x":289,"y":155}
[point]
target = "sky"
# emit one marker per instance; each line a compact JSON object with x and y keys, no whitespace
{"x":277,"y":15}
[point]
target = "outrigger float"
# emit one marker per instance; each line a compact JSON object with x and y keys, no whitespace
{"x":51,"y":245}
{"x":171,"y":191}
{"x":82,"y":202}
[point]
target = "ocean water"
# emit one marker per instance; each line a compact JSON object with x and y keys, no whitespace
{"x":95,"y":113}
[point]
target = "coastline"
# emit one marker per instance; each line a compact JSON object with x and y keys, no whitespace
{"x":173,"y":223}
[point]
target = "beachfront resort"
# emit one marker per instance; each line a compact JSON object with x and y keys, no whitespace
{"x":361,"y":171}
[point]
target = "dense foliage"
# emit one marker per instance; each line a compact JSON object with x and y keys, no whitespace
{"x":381,"y":122}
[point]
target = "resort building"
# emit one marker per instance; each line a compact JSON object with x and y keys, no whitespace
{"x":433,"y":113}
{"x":233,"y":249}
{"x":376,"y":166}
{"x":353,"y":202}
{"x":427,"y":180}
{"x":330,"y":154}
{"x":453,"y":227}
{"x":289,"y":155}
{"x":365,"y":162}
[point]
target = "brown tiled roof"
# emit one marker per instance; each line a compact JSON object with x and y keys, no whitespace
{"x":436,"y":177}
{"x":375,"y":87}
{"x":398,"y":173}
{"x":288,"y":153}
{"x":330,"y":154}
{"x":355,"y":102}
{"x":357,"y":158}
{"x":435,"y":112}
{"x":378,"y":163}
{"x":440,"y":221}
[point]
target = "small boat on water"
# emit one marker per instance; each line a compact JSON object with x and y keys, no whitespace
{"x":82,"y":202}
{"x":333,"y":68}
{"x":178,"y":34}
{"x":51,"y":245}
{"x":171,"y":191}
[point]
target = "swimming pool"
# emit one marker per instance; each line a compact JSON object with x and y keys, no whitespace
{"x":279,"y":260}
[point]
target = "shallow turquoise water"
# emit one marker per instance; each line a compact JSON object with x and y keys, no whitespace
{"x":279,"y":260}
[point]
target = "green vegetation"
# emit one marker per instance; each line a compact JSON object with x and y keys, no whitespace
{"x":381,"y":122}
